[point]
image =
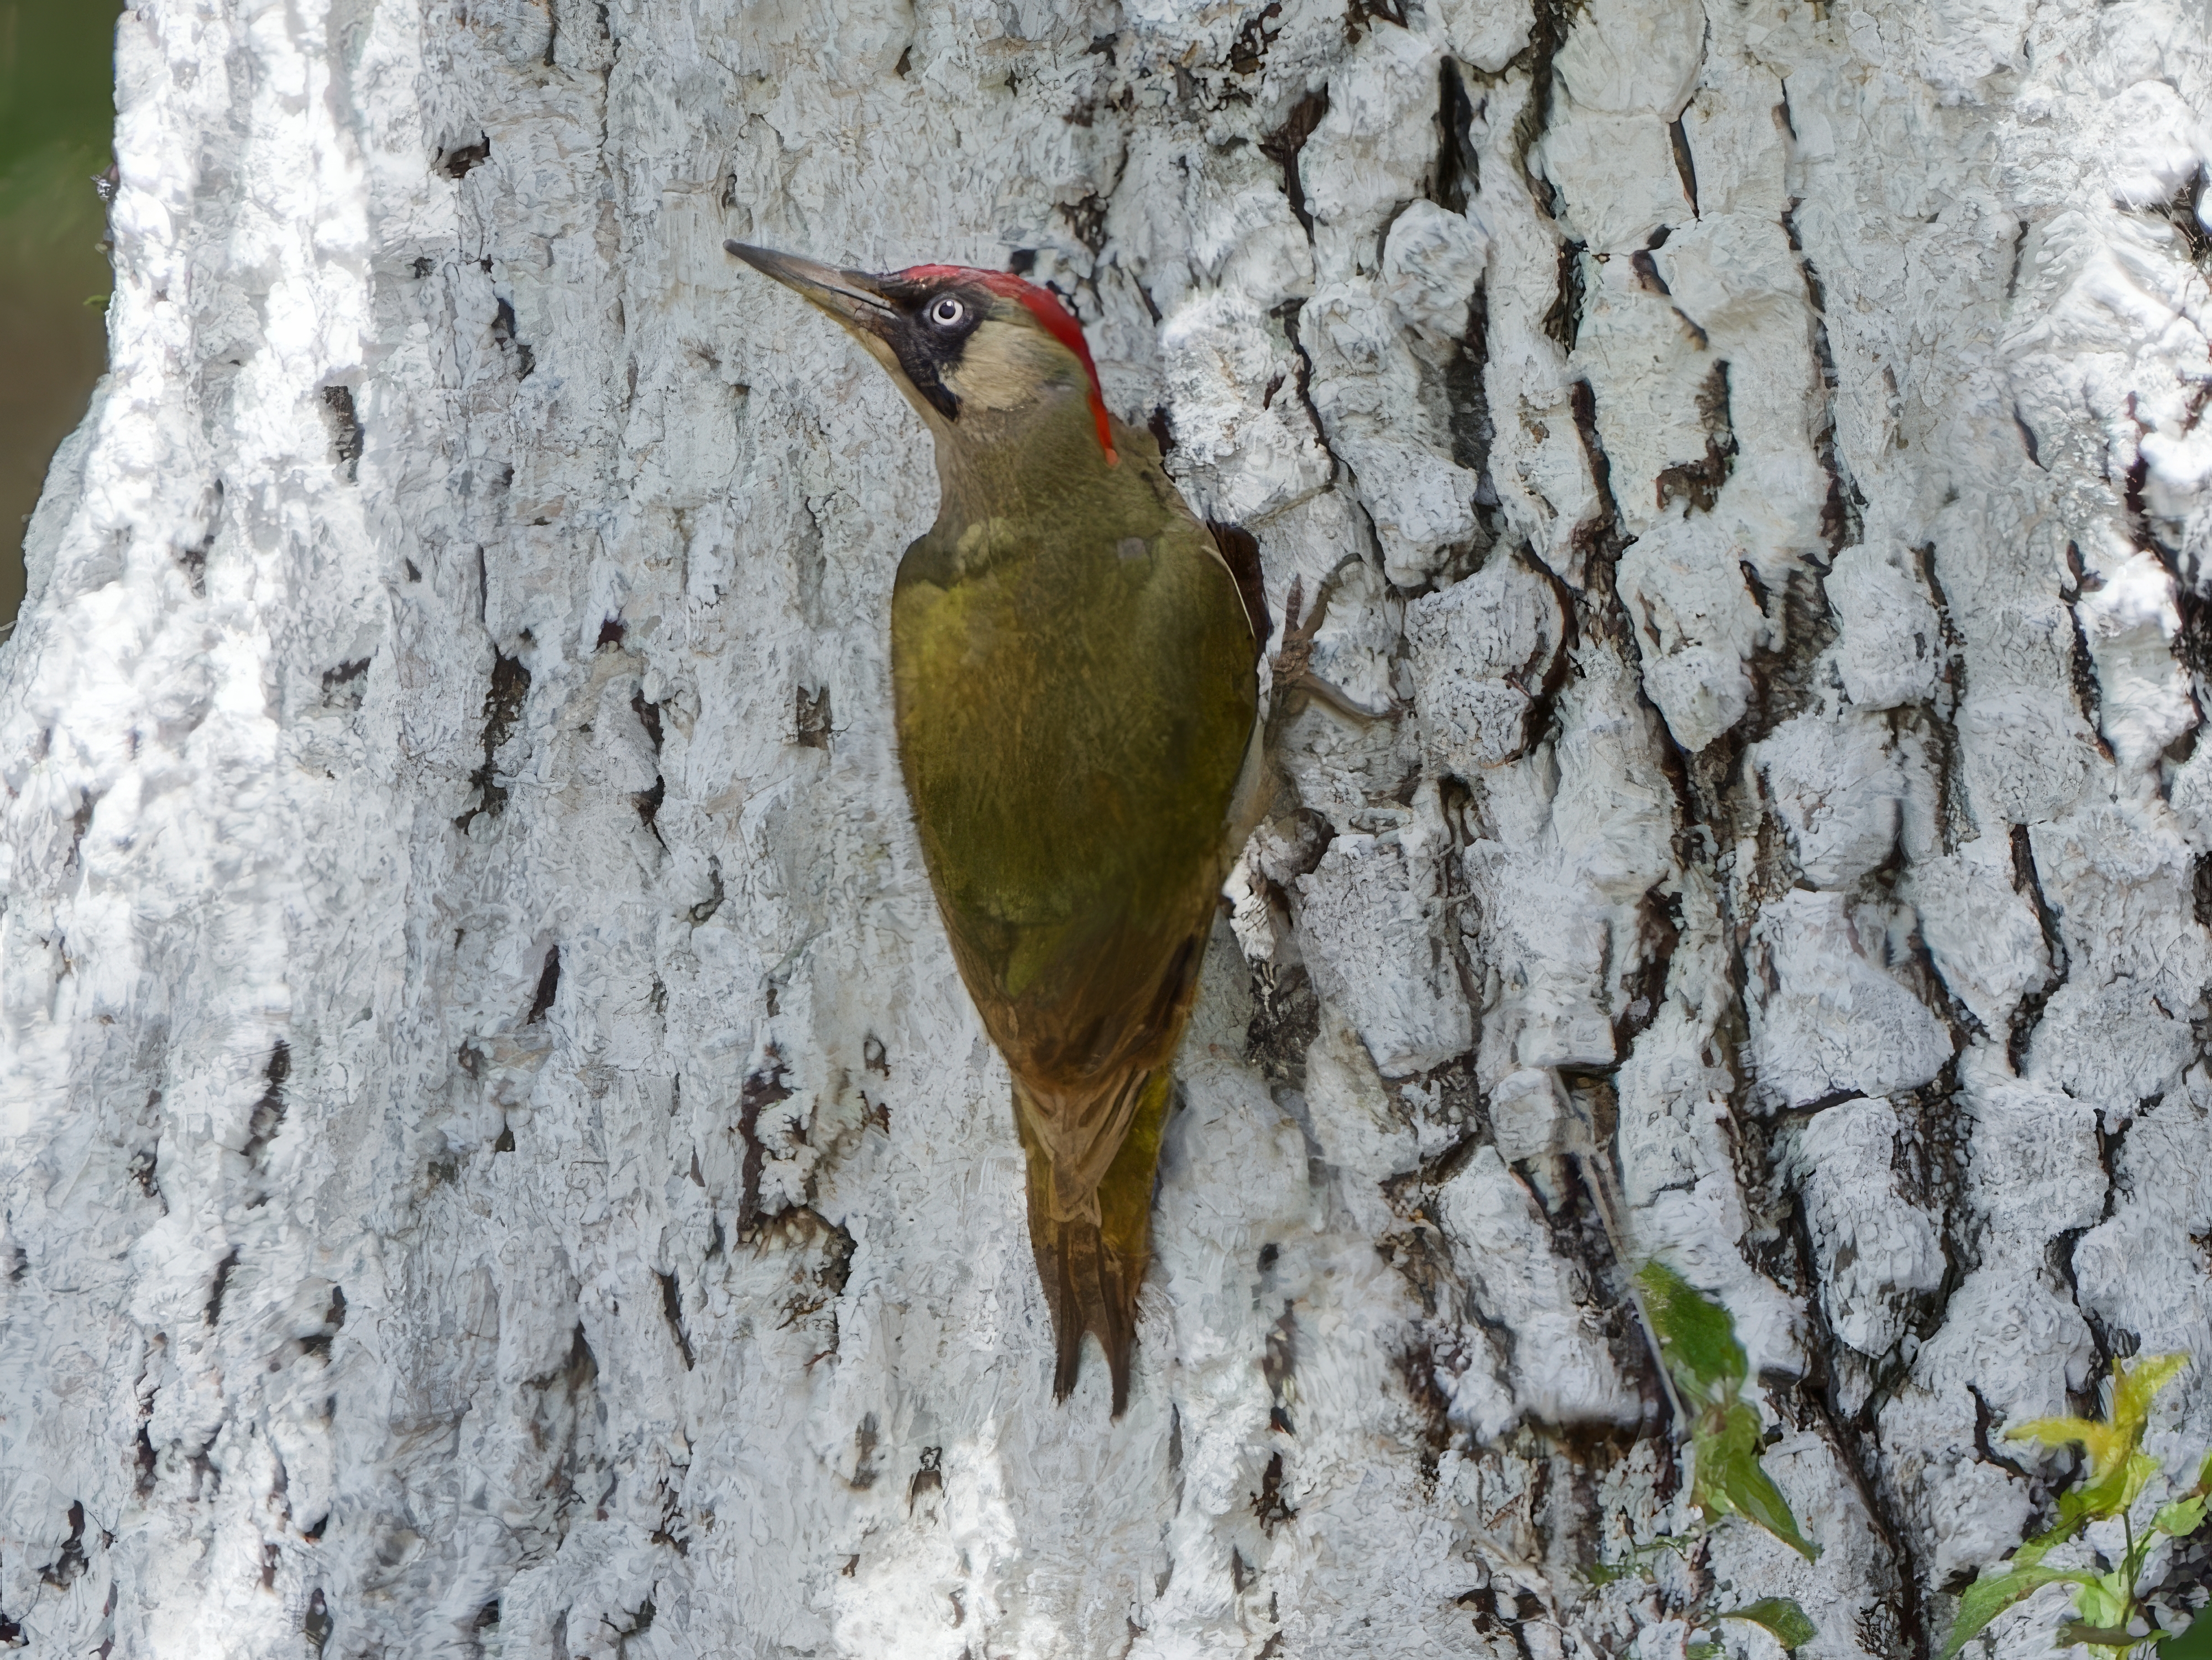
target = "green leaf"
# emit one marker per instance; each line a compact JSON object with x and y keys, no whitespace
{"x":2105,"y":1599}
{"x":1717,"y":1438}
{"x":2134,"y":1385}
{"x":1696,"y":1335}
{"x":2107,"y":1495}
{"x":1727,"y":1476}
{"x":1782,"y":1616}
{"x":1990,"y":1595}
{"x":1702,"y":1650}
{"x":2110,"y":1445}
{"x":2136,"y":1475}
{"x":2104,"y":1443}
{"x":2180,"y":1518}
{"x":2195,"y":1643}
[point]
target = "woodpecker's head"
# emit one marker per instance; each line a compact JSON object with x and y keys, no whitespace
{"x":969,"y":349}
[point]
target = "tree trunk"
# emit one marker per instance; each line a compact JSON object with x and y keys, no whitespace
{"x":497,"y":1158}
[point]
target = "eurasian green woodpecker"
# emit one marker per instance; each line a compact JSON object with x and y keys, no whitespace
{"x":1073,"y":664}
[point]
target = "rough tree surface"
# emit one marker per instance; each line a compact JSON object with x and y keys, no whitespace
{"x":496,"y":1158}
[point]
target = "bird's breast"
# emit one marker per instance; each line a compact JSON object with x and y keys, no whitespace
{"x":1070,"y":718}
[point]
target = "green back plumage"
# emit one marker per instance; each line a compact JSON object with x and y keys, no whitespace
{"x":1074,"y":673}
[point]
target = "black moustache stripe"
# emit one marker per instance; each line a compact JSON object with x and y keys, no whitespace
{"x":924,"y":369}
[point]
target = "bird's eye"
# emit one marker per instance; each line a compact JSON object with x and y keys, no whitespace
{"x":948,"y":313}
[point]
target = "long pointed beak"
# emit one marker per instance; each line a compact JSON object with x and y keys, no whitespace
{"x":852,"y":297}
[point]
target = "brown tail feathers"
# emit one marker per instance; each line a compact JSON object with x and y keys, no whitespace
{"x":1092,"y":1257}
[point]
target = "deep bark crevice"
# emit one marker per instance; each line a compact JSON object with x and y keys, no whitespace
{"x":1287,"y":314}
{"x":1547,"y":33}
{"x":1458,"y":176}
{"x":2025,"y":880}
{"x":1901,"y":1627}
{"x":502,"y":706}
{"x":1599,"y":540}
{"x":1283,"y":144}
{"x":768,"y":1084}
{"x":1700,"y":483}
{"x":1564,"y":321}
{"x":1840,"y":513}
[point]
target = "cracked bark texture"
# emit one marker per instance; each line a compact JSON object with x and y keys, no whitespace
{"x":497,"y":1159}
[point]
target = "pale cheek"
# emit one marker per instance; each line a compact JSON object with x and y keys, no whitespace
{"x":996,"y":373}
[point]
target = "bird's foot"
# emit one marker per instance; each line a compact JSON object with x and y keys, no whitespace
{"x":1295,"y":674}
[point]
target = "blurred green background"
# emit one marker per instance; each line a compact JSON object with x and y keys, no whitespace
{"x":56,"y":85}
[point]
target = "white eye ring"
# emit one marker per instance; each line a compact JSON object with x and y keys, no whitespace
{"x":947,"y":313}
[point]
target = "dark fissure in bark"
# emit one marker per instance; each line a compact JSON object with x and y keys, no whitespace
{"x":549,"y":986}
{"x":648,"y":801}
{"x":192,"y":556}
{"x":1360,"y":16}
{"x":1929,"y":1160}
{"x":1283,"y":144}
{"x":1547,"y":33}
{"x":1840,"y":511}
{"x":1287,"y":314}
{"x":2088,"y":693}
{"x":345,"y":430}
{"x":706,"y":907}
{"x":269,"y":1111}
{"x":343,"y":686}
{"x":1599,"y":540}
{"x":1086,"y":221}
{"x":1658,"y":931}
{"x":2180,"y":211}
{"x":1564,"y":321}
{"x":2107,"y":1343}
{"x":1459,"y":167}
{"x":1784,"y":678}
{"x":1248,"y":53}
{"x":62,"y":1572}
{"x":213,"y":1312}
{"x":1686,"y":166}
{"x":1700,"y":483}
{"x":2029,"y":1014}
{"x":503,"y":336}
{"x":764,"y":1088}
{"x":1467,"y":401}
{"x":502,"y":706}
{"x":1285,"y":1019}
{"x":1898,"y":1624}
{"x":456,"y":161}
{"x":566,"y":1413}
{"x":671,"y":1307}
{"x":811,"y":717}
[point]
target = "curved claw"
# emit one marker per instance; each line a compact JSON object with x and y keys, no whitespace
{"x":1294,"y":670}
{"x":1329,"y":692}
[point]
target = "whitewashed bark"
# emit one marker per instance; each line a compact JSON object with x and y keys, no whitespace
{"x":465,"y":564}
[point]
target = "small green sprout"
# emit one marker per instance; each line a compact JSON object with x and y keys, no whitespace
{"x":2109,"y":1620}
{"x":1707,"y":1369}
{"x":1697,"y":1339}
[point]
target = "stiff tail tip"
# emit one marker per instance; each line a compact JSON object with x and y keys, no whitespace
{"x":1093,"y":1264}
{"x":1089,"y":1291}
